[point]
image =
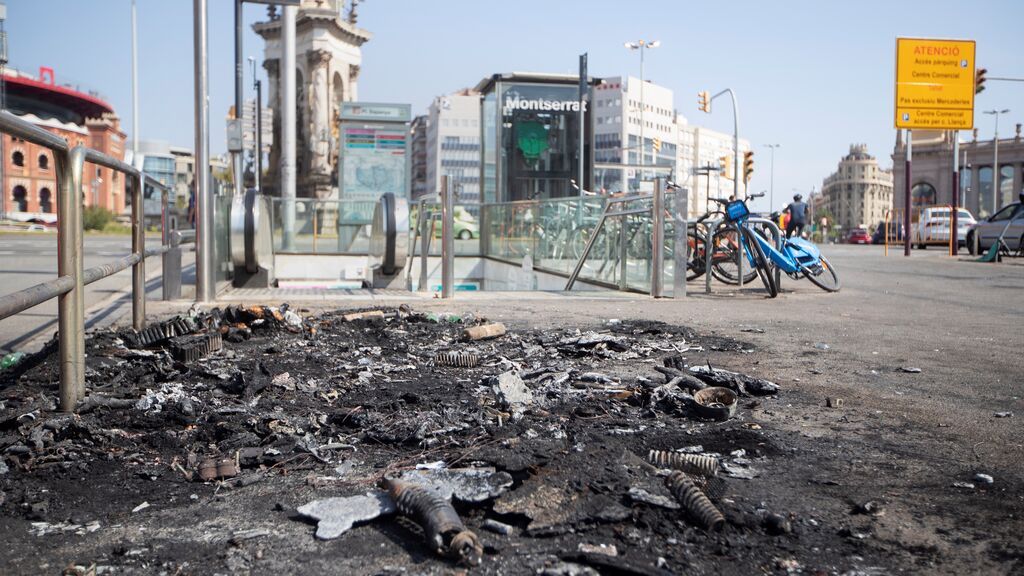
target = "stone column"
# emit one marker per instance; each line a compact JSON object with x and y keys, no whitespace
{"x":272,"y":179}
{"x":319,"y":122}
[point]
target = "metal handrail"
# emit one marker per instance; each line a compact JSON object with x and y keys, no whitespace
{"x":71,"y":279}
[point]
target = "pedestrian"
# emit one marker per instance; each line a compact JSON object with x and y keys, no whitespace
{"x":797,"y":211}
{"x":191,"y":215}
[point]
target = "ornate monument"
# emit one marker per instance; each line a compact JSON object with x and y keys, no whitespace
{"x":328,"y":56}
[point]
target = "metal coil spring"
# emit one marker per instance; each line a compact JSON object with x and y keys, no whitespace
{"x":442,"y":527}
{"x":177,"y":326}
{"x":694,"y":501}
{"x":457,"y":359}
{"x":700,"y":464}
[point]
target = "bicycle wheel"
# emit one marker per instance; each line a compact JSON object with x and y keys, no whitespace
{"x":723,"y":258}
{"x":762,"y":264}
{"x":823,"y":275}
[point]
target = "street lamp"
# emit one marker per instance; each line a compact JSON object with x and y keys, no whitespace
{"x":995,"y":158}
{"x":642,"y":45}
{"x":771,"y":188}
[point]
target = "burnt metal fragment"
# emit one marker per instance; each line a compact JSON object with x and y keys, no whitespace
{"x":457,"y":359}
{"x":442,"y":527}
{"x":192,"y":348}
{"x":694,"y":501}
{"x":715,"y":402}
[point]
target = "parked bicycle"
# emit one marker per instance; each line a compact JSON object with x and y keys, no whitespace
{"x":798,"y":258}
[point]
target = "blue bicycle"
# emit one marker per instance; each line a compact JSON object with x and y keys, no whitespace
{"x":799,"y":258}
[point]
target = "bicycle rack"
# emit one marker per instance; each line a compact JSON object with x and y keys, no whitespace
{"x":709,"y":249}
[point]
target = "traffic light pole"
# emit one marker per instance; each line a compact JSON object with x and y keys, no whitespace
{"x":735,"y":141}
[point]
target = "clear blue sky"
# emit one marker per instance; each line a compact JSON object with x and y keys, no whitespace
{"x":812,"y":76}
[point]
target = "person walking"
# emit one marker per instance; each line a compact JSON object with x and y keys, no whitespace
{"x":797,"y":211}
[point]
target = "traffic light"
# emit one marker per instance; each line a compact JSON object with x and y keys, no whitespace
{"x":704,"y":101}
{"x":657,"y":144}
{"x":725,"y":164}
{"x":979,"y":80}
{"x":748,"y":165}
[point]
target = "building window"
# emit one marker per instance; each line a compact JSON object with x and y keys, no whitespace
{"x":44,"y":162}
{"x":1006,"y":195}
{"x":20,"y":197}
{"x":18,"y":158}
{"x":45,"y":201}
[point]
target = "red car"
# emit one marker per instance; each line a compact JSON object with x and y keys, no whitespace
{"x":858,"y":236}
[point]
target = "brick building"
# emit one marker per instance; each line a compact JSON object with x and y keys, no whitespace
{"x":29,"y":172}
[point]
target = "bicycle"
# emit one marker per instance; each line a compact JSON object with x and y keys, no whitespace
{"x":798,"y":258}
{"x":737,"y":216}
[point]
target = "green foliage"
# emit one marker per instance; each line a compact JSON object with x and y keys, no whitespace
{"x":96,"y":218}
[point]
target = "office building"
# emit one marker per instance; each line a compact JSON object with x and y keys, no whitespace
{"x":453,"y":146}
{"x":618,"y":123}
{"x":858,"y":193}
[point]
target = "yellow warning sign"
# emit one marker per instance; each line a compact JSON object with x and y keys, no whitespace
{"x":934,"y":84}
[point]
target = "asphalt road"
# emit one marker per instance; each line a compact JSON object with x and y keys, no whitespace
{"x":31,"y":258}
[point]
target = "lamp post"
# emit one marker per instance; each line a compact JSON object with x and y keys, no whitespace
{"x":771,"y":187}
{"x":258,"y":137}
{"x":642,"y":45}
{"x":995,"y":158}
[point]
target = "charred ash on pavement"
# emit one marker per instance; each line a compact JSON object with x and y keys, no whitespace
{"x":393,"y":441}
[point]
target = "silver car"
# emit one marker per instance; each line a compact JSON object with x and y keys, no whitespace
{"x":988,"y":230}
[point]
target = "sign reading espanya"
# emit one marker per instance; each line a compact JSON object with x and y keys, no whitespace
{"x":934,"y":84}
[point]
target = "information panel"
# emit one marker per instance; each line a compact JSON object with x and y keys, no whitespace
{"x":373,"y":155}
{"x":934,"y":84}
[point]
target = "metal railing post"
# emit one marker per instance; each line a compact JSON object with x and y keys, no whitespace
{"x":658,"y":239}
{"x":165,"y":240}
{"x":623,"y":264}
{"x":709,"y":250}
{"x":138,"y":247}
{"x":447,"y":239}
{"x":71,"y":306}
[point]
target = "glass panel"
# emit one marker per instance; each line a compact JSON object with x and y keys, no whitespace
{"x":222,"y":237}
{"x":489,"y":115}
{"x":325,"y":226}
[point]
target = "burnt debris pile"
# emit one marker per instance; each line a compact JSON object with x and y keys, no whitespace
{"x":478,"y":442}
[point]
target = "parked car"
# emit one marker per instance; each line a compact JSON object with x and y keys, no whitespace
{"x":933,"y":224}
{"x":858,"y":236}
{"x":989,"y":229}
{"x":895,"y":233}
{"x":466,"y":227}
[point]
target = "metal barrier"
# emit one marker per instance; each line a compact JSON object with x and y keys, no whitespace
{"x":929,"y":225}
{"x":657,"y":214}
{"x":71,"y":279}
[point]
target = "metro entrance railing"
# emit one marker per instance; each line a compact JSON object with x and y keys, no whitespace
{"x":71,"y":279}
